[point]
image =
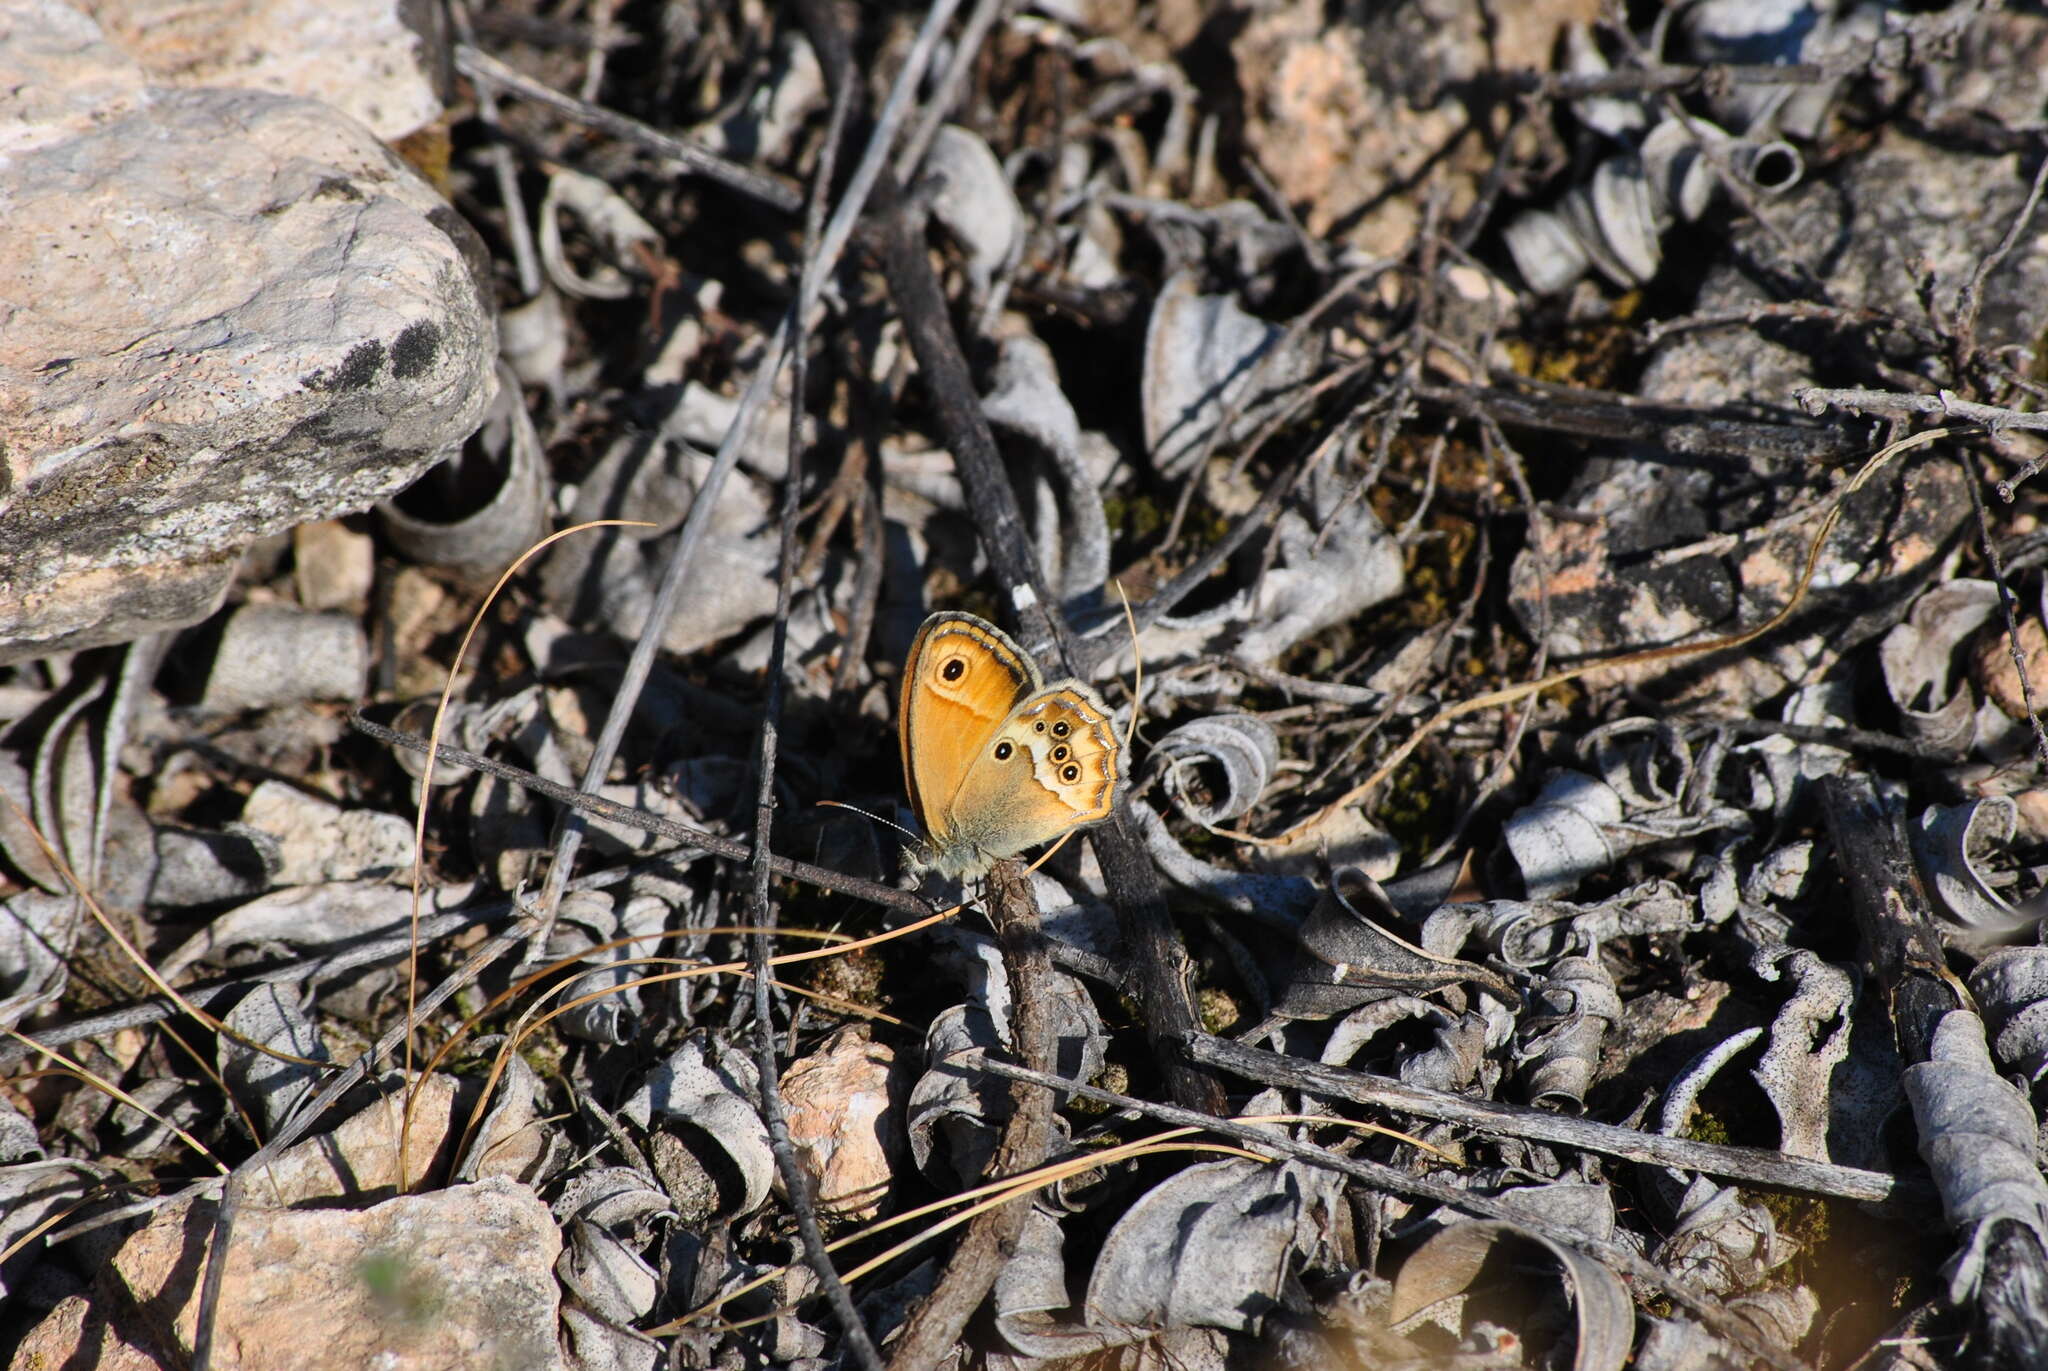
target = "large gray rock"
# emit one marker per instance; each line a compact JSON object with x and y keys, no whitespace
{"x":222,"y":314}
{"x":374,"y":60}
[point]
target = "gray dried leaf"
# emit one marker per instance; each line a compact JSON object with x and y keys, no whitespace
{"x":320,"y":843}
{"x":1332,"y":560}
{"x":1921,"y":660}
{"x":1684,"y":180}
{"x":703,"y":416}
{"x":1954,"y":846}
{"x":1979,"y":1136}
{"x":1072,"y":532}
{"x":510,"y":1141}
{"x":31,"y":1192}
{"x":1615,"y":222}
{"x":1357,"y":1030}
{"x":760,"y":132}
{"x":609,"y":1217}
{"x":271,"y":1016}
{"x":1205,"y":356}
{"x":1239,"y":750}
{"x":2011,"y":990}
{"x":591,"y":1343}
{"x":199,"y":867}
{"x":533,"y":340}
{"x":1579,"y":825}
{"x":1685,"y":1088}
{"x":1209,"y":1246}
{"x":1720,"y":1243}
{"x":1527,"y":934}
{"x":308,"y":918}
{"x":17,"y":838}
{"x":1780,"y":1318}
{"x":18,"y":1140}
{"x":615,"y":225}
{"x":1460,"y":1053}
{"x":588,"y":920}
{"x":1615,"y":116}
{"x":1567,"y":833}
{"x":274,"y":654}
{"x":37,"y":932}
{"x":1031,"y":1292}
{"x":974,"y":202}
{"x":1279,"y":901}
{"x":712,"y":1089}
{"x":608,"y":578}
{"x":503,"y":458}
{"x":953,"y":1113}
{"x":1571,"y":1011}
{"x":1809,"y":1042}
{"x":1080,"y":1044}
{"x":143,"y":1129}
{"x":1347,"y":956}
{"x":65,"y":782}
{"x":1446,"y":1266}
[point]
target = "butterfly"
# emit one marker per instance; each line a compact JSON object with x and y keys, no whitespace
{"x":995,"y":759}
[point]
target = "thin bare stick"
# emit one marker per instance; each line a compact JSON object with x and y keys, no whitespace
{"x":760,"y":903}
{"x":934,"y":1330}
{"x":873,"y":164}
{"x":1898,"y":404}
{"x":1750,"y":1165}
{"x":480,"y":66}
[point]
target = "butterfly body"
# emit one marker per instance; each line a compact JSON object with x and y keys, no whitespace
{"x":997,"y":760}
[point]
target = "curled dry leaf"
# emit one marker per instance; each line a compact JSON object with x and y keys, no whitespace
{"x":1347,"y":956}
{"x":1208,"y":360}
{"x":1209,"y":1246}
{"x":1072,"y":532}
{"x":609,"y":1216}
{"x":1240,"y":750}
{"x":1921,"y":662}
{"x":37,"y":931}
{"x":975,"y":203}
{"x":1531,"y":933}
{"x":711,"y":1090}
{"x":1979,"y":1137}
{"x":1572,"y":1009}
{"x":621,"y":235}
{"x":1955,"y":847}
{"x":608,"y":577}
{"x":953,"y":1114}
{"x":482,"y":505}
{"x":30,"y":1193}
{"x":308,"y":919}
{"x":1780,"y":1318}
{"x":1448,"y":1265}
{"x":272,"y":1017}
{"x":1279,"y":901}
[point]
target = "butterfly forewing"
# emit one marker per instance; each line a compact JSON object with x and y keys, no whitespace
{"x":962,"y":680}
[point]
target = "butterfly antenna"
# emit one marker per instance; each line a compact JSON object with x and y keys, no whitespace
{"x":1137,"y":669}
{"x":876,"y":817}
